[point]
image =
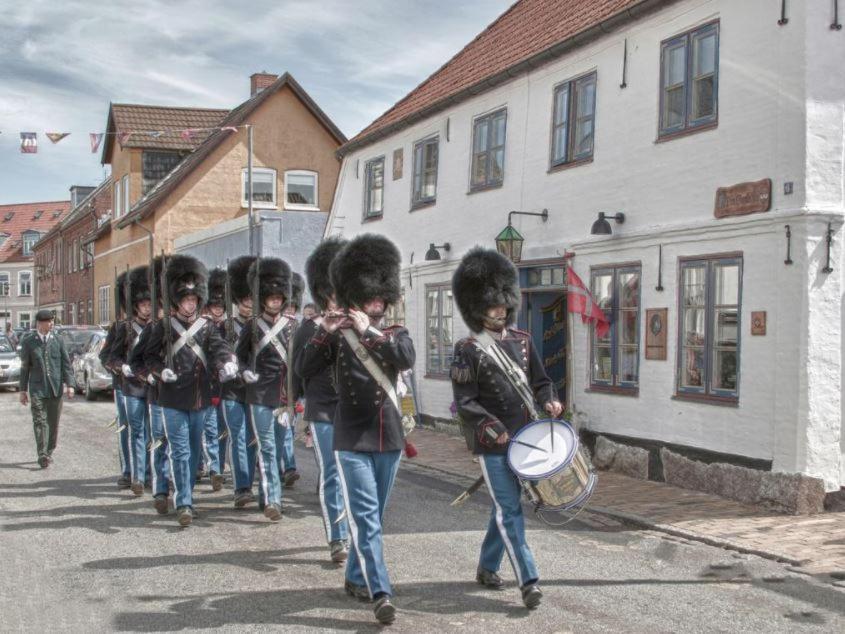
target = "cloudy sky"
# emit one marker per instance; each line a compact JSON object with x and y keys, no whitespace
{"x":61,"y":63}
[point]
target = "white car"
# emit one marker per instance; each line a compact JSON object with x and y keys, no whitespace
{"x":10,"y":365}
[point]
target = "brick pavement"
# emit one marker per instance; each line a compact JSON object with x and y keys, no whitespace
{"x":813,"y":544}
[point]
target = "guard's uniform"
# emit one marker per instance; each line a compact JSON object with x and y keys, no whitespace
{"x":488,"y":403}
{"x":119,"y":404}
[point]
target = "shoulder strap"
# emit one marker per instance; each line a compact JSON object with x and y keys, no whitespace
{"x":513,"y":373}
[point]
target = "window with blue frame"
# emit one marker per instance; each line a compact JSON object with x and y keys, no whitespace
{"x":689,"y":80}
{"x":615,"y":356}
{"x":708,"y":346}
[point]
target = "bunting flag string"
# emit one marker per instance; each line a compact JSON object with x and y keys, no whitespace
{"x":29,"y":140}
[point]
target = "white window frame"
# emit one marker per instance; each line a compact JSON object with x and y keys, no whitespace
{"x":418,"y":171}
{"x":26,"y":324}
{"x":8,"y":286}
{"x":125,"y":180}
{"x":27,"y":234}
{"x":103,"y":298}
{"x":369,"y":209}
{"x":73,"y":314}
{"x":259,"y":204}
{"x":118,"y":199}
{"x":21,"y":274}
{"x":299,"y":206}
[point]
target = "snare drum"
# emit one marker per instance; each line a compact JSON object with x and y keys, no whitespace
{"x":554,"y":469}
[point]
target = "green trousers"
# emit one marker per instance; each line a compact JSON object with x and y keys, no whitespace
{"x":45,"y":422}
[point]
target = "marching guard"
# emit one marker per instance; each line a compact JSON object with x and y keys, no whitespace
{"x":286,"y":431}
{"x":321,"y":401}
{"x":215,"y":433}
{"x":262,"y":351}
{"x":368,"y":435}
{"x":125,"y":479}
{"x":133,"y":387}
{"x":182,"y":353}
{"x":486,"y":289}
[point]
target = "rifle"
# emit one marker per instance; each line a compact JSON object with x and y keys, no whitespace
{"x":153,"y":293}
{"x":230,"y":318}
{"x":256,"y":312}
{"x":168,"y":328}
{"x":116,"y":298}
{"x":127,"y":303}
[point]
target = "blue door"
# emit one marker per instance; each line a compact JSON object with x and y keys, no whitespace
{"x":544,"y":316}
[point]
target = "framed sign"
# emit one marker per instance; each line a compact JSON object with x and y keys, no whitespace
{"x":655,"y":333}
{"x":758,"y":322}
{"x":398,"y":161}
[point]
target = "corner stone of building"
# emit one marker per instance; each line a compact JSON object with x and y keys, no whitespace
{"x":792,"y":493}
{"x":624,"y":459}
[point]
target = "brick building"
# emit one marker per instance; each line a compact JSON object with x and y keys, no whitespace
{"x":64,"y":261}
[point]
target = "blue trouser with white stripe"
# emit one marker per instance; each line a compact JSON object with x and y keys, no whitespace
{"x":211,"y":445}
{"x":263,"y":420}
{"x":184,"y":444}
{"x":330,"y":493}
{"x":123,"y":435}
{"x":284,"y":447}
{"x":137,"y":412}
{"x":241,"y":435}
{"x":222,"y":430}
{"x":158,"y":451}
{"x":366,"y":479}
{"x":506,"y":530}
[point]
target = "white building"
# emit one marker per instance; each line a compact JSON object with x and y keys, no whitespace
{"x":645,"y":108}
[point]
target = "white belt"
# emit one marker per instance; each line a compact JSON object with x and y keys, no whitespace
{"x":186,"y":338}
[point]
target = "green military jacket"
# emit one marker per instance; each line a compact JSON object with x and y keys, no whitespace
{"x":44,"y":367}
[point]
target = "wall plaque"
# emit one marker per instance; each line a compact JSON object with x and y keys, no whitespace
{"x":398,"y":160}
{"x":758,"y":322}
{"x":655,"y":333}
{"x":744,"y":198}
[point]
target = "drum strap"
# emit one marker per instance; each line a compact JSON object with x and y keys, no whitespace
{"x":514,"y":373}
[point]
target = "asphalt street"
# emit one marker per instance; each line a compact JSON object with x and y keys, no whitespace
{"x":79,"y":555}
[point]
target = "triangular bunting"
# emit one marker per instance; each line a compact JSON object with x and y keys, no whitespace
{"x":55,"y":137}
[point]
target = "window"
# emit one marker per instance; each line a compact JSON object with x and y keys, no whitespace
{"x":5,"y":284}
{"x":117,"y":202}
{"x":425,"y":172}
{"x":73,"y":314}
{"x":263,"y":188}
{"x":59,"y":256}
{"x":29,"y":240}
{"x":24,"y":321}
{"x":76,"y":259}
{"x":395,"y":313}
{"x":301,"y":190}
{"x":708,"y":346}
{"x":374,"y":187}
{"x":689,"y":80}
{"x":438,"y":316}
{"x":573,"y":120}
{"x":615,"y":357}
{"x":3,"y":237}
{"x":90,"y":312}
{"x":103,"y":303}
{"x":70,"y":259}
{"x":488,"y":150}
{"x":126,"y":193}
{"x":25,"y":283}
{"x":155,"y":166}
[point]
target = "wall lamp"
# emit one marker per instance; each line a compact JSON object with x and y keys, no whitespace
{"x":509,"y":241}
{"x":601,"y":227}
{"x":433,"y":254}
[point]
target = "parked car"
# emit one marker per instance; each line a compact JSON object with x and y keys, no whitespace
{"x":89,"y":374}
{"x":76,"y":338}
{"x":10,"y":364}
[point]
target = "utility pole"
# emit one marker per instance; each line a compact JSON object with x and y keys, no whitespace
{"x":252,"y":245}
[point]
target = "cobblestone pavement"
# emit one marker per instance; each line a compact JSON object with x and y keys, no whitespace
{"x":813,"y":544}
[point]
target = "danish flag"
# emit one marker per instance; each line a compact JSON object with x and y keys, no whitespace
{"x":579,"y":300}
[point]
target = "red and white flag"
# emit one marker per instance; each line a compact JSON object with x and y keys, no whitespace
{"x":123,"y":137}
{"x":96,"y":139}
{"x":579,"y":300}
{"x":187,"y":135}
{"x":29,"y":142}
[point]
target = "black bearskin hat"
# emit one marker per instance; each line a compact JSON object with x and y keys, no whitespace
{"x":366,"y":268}
{"x":483,"y":279}
{"x":119,"y":281}
{"x":185,"y":276}
{"x":274,"y":279}
{"x":217,"y":288}
{"x":238,"y":270}
{"x":139,"y":285}
{"x":297,"y":288}
{"x":317,"y":270}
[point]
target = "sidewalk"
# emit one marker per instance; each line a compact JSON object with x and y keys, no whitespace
{"x":813,"y":544}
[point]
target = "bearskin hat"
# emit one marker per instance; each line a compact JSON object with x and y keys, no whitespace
{"x":238,"y":270}
{"x":139,"y":284}
{"x":317,"y":270}
{"x":217,"y":288}
{"x":274,"y":278}
{"x":297,"y":288}
{"x":483,"y":279}
{"x":186,"y":275}
{"x":366,"y":268}
{"x":119,"y":281}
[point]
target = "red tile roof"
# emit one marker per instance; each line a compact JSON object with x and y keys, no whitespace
{"x":528,"y":34}
{"x":141,"y":120}
{"x":23,"y":217}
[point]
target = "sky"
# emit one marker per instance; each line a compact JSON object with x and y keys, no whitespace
{"x":62,"y":63}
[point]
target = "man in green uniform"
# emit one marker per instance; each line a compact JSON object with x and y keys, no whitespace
{"x":44,"y":367}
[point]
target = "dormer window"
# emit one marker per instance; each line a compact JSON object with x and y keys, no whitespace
{"x":56,"y":214}
{"x":9,"y":215}
{"x":30,"y":238}
{"x":37,"y":215}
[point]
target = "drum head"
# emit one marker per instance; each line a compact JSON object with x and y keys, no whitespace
{"x":542,"y":461}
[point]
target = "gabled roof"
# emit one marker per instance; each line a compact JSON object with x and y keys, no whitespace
{"x":144,"y":122}
{"x":147,"y":204}
{"x":528,"y":34}
{"x":22,"y":219}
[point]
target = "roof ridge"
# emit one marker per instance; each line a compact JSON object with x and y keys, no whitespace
{"x":37,"y":202}
{"x":148,"y":105}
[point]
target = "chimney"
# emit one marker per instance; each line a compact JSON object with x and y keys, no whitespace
{"x":260,"y":81}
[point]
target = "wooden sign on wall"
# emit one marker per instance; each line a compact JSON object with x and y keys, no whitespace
{"x":398,"y":163}
{"x":758,"y":322}
{"x":744,"y":198}
{"x":655,"y":333}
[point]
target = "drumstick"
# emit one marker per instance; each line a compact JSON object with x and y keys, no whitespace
{"x":525,"y":444}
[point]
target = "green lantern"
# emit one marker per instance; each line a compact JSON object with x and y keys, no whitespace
{"x":509,"y":243}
